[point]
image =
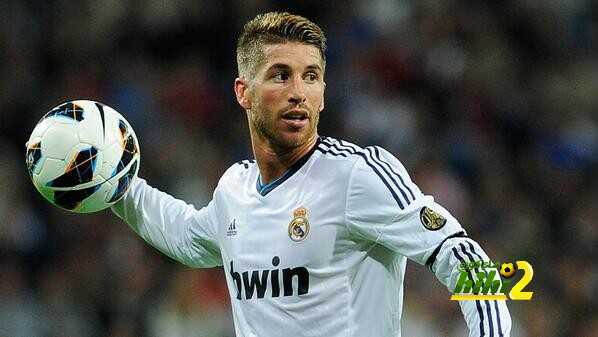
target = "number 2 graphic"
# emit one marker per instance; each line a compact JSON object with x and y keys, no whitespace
{"x":517,"y":292}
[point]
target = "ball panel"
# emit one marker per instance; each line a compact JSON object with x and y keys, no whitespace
{"x":71,"y":111}
{"x":70,"y":200}
{"x":89,"y":132}
{"x":129,"y":151}
{"x":100,"y":108}
{"x":58,"y":141}
{"x":93,"y":129}
{"x":79,"y":170}
{"x":41,"y":128}
{"x":111,"y":156}
{"x":124,"y":182}
{"x":50,"y":170}
{"x":33,"y":156}
{"x":114,"y":143}
{"x":46,"y":192}
{"x":97,"y":201}
{"x":124,"y":146}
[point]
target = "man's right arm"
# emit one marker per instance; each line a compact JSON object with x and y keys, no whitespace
{"x":170,"y":225}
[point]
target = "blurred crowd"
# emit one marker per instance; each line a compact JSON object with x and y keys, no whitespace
{"x":491,"y":105}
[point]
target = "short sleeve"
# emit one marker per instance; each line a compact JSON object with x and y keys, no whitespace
{"x":384,"y":206}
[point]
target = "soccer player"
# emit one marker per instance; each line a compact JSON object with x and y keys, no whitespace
{"x":313,"y":234}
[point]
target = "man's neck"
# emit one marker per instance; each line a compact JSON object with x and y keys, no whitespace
{"x":273,"y":163}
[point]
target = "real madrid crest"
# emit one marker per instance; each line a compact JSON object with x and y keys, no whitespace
{"x":299,"y":226}
{"x":431,"y":220}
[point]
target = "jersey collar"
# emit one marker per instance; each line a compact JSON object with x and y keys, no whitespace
{"x":264,"y":189}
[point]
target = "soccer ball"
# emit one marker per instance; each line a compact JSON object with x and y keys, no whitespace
{"x":507,"y":270}
{"x":82,"y":156}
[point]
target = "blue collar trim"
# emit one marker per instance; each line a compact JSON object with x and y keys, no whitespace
{"x":267,"y":188}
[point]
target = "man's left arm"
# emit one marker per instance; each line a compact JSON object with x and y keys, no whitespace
{"x":483,"y":317}
{"x":385,"y":206}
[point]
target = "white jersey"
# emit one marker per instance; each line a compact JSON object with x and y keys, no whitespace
{"x":322,"y":250}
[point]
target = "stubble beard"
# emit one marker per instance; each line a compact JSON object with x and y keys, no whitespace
{"x":265,"y":128}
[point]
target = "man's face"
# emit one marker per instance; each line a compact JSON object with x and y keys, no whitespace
{"x":286,"y":95}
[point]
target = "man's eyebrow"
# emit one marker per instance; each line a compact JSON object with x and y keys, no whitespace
{"x":279,"y":66}
{"x":314,"y":66}
{"x":282,"y":66}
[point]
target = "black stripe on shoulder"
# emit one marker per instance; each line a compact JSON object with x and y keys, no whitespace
{"x":379,"y":157}
{"x":324,"y":150}
{"x":361,"y":153}
{"x":369,"y":149}
{"x":372,"y":155}
{"x":378,"y":161}
{"x":245,"y":162}
{"x":430,"y":261}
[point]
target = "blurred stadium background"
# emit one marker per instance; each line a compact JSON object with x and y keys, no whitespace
{"x":491,"y":105}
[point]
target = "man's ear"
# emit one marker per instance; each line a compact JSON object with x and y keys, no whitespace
{"x":242,"y":93}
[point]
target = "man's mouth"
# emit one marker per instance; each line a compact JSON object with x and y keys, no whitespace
{"x":296,"y":119}
{"x":295,"y":115}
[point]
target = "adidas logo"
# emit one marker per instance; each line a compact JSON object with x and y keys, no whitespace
{"x":232,"y":228}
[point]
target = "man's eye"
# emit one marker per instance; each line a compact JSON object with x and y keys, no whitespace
{"x":281,"y":76}
{"x":311,"y":77}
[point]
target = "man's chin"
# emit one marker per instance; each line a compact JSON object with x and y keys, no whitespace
{"x":291,"y":139}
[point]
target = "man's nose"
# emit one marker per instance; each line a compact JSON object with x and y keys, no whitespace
{"x":297,"y":91}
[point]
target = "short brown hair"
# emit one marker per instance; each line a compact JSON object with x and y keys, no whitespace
{"x":272,"y":28}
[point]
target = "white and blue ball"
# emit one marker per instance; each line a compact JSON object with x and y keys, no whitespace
{"x":82,"y":156}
